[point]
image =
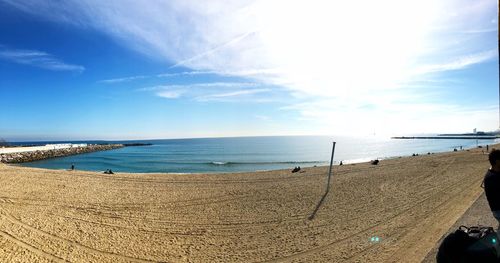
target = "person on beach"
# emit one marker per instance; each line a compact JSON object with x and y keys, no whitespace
{"x":491,"y":184}
{"x":72,"y":167}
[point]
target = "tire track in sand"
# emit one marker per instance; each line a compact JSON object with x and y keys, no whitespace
{"x":29,"y":247}
{"x":321,"y":248}
{"x":40,"y":252}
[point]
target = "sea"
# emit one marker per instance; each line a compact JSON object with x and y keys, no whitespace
{"x":243,"y":154}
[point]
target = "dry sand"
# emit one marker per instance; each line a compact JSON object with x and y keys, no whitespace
{"x":478,"y":214}
{"x":77,"y":216}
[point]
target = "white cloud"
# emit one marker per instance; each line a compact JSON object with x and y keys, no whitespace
{"x":210,"y":91}
{"x":352,"y":53}
{"x":214,"y":50}
{"x":203,"y":85}
{"x":170,"y":94}
{"x":238,"y":93}
{"x":242,"y":73}
{"x":459,"y":63}
{"x":232,"y":94}
{"x":185,"y":73}
{"x":393,"y":118}
{"x":124,"y":79}
{"x":37,"y":59}
{"x":315,"y":47}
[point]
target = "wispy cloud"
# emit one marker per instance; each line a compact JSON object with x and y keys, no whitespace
{"x":162,"y":75}
{"x":185,"y":73}
{"x":242,"y":72}
{"x":37,"y":59}
{"x":460,"y":63}
{"x":212,"y":50}
{"x":233,"y":94}
{"x":248,"y":73}
{"x":119,"y":80}
{"x":480,"y":31}
{"x":329,"y":115}
{"x":353,"y":53}
{"x":203,"y":85}
{"x":307,"y":57}
{"x":210,"y":91}
{"x":169,"y":94}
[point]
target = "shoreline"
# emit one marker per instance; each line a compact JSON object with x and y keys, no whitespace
{"x":326,"y":163}
{"x":80,"y":216}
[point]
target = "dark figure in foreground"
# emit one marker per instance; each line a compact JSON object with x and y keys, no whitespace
{"x":477,"y":243}
{"x":492,"y":184}
{"x":469,"y":245}
{"x":108,"y":171}
{"x":296,"y":169}
{"x":72,"y":167}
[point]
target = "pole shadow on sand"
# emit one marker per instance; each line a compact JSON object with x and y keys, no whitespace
{"x":311,"y":217}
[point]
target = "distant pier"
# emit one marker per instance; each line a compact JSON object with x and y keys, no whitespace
{"x":479,"y":137}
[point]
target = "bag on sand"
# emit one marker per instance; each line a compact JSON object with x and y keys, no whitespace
{"x":469,"y":244}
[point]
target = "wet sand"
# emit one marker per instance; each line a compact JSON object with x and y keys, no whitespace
{"x":78,"y":216}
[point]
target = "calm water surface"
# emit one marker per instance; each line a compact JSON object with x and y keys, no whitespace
{"x":248,"y":153}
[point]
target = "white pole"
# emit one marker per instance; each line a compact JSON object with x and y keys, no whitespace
{"x":330,"y":171}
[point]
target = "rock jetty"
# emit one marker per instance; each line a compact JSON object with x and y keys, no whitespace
{"x":23,"y":157}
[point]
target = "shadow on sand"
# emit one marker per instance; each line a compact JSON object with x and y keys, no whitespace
{"x":311,"y":217}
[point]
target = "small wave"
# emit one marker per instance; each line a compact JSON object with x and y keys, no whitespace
{"x":219,"y":163}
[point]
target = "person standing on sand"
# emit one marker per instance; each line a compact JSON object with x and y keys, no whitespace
{"x":492,"y":185}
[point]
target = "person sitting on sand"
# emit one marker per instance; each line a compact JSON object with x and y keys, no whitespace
{"x":492,"y":185}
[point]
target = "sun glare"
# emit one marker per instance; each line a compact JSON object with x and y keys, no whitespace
{"x":345,"y":46}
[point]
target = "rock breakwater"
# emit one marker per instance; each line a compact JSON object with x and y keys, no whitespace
{"x":23,"y":157}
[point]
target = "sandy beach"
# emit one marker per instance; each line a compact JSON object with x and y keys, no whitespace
{"x":78,"y":216}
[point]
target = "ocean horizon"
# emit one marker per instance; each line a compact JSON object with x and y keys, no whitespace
{"x":246,"y":154}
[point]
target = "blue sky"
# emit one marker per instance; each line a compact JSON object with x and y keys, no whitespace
{"x":179,"y":69}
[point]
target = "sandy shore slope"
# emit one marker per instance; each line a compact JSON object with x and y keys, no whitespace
{"x":76,"y":216}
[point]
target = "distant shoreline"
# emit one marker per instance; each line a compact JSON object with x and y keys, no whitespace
{"x":319,"y":165}
{"x":480,"y":137}
{"x":249,"y":154}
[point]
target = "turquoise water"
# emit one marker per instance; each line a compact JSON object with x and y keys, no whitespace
{"x":248,"y":153}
